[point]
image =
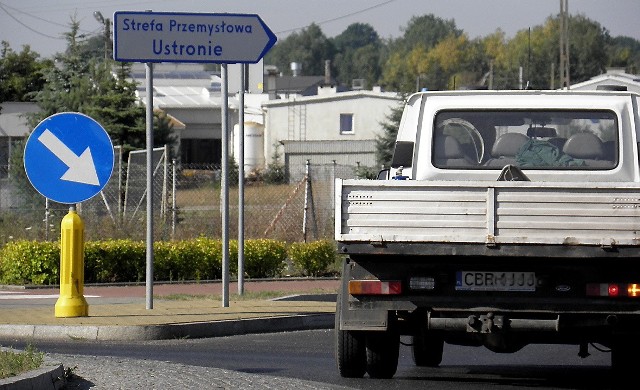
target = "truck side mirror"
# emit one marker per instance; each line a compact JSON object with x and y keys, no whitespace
{"x":402,"y":154}
{"x":383,"y":174}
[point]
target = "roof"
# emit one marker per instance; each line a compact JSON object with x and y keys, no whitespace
{"x":184,"y":97}
{"x":612,"y":77}
{"x":328,"y":97}
{"x":298,"y":85}
{"x":13,"y":121}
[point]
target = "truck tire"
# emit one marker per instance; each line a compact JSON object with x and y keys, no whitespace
{"x":427,"y":348}
{"x":350,"y":349}
{"x":382,"y":353}
{"x":624,"y":353}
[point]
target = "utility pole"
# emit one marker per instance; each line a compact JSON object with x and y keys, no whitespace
{"x":107,"y":33}
{"x":564,"y":44}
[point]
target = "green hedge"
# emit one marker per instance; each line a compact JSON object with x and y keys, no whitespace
{"x":313,"y":259}
{"x":113,"y":261}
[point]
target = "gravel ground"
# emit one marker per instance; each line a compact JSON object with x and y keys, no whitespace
{"x":99,"y":372}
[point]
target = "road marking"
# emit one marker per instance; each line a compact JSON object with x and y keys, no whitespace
{"x":20,"y":295}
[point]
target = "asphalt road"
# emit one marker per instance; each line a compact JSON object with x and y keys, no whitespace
{"x":308,"y":356}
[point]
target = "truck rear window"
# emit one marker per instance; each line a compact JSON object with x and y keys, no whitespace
{"x":527,"y":139}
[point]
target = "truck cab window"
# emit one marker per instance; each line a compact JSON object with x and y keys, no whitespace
{"x":566,"y":140}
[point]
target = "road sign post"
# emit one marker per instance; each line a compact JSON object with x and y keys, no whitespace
{"x":187,"y":37}
{"x":69,"y":158}
{"x":190,"y":37}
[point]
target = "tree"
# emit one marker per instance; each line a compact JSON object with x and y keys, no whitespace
{"x":408,"y":66}
{"x":310,"y":48}
{"x":85,"y":82}
{"x":358,"y":50}
{"x":425,"y":31}
{"x":385,"y":142}
{"x":587,"y":51}
{"x":624,"y":52}
{"x":21,"y":74}
{"x":68,"y":87}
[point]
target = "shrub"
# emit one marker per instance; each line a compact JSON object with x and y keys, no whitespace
{"x":109,"y":261}
{"x":263,"y":258}
{"x":203,"y":257}
{"x":112,"y":261}
{"x":30,"y":262}
{"x":312,"y":259}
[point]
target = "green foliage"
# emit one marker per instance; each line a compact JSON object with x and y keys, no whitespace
{"x":13,"y":363}
{"x":310,"y":48}
{"x":21,"y":74}
{"x":114,"y":261}
{"x":385,"y":142}
{"x":81,"y":82}
{"x":275,"y":172}
{"x":363,"y":172}
{"x":312,"y":259}
{"x":30,"y":262}
{"x":358,"y":54}
{"x":263,"y":258}
{"x":624,"y":52}
{"x":198,"y":259}
{"x":120,"y":261}
{"x":426,"y":31}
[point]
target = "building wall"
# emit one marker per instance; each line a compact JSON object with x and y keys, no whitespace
{"x":317,"y":118}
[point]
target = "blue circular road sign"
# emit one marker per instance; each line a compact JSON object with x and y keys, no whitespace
{"x":68,"y":157}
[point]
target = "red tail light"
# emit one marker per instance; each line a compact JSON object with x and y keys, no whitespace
{"x":613,"y":290}
{"x":374,"y":287}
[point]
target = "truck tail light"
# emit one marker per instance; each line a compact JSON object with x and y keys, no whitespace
{"x":374,"y":287}
{"x":613,"y":290}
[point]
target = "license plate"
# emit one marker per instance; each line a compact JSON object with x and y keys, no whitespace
{"x":495,"y":281}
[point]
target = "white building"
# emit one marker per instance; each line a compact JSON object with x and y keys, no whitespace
{"x":298,"y":118}
{"x":329,"y":127}
{"x":613,"y":76}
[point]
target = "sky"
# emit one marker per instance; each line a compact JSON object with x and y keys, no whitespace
{"x":42,"y":23}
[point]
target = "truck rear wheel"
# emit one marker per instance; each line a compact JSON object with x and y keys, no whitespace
{"x":624,"y":353}
{"x":382,"y":353}
{"x":350,"y":349}
{"x":427,"y":348}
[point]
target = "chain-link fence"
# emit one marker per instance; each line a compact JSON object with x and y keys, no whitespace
{"x":187,"y":204}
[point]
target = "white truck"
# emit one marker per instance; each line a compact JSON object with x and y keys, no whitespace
{"x":507,"y":218}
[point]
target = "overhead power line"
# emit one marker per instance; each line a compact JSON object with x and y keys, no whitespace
{"x":4,"y":8}
{"x":338,"y":17}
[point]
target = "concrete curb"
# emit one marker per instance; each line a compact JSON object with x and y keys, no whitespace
{"x":169,"y":331}
{"x":50,"y":376}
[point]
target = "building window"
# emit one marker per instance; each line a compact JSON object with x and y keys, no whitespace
{"x":346,"y":123}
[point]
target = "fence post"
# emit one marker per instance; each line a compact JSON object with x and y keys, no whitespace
{"x":306,"y":201}
{"x":46,"y":219}
{"x":173,"y":199}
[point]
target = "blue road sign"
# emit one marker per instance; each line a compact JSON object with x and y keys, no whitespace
{"x":190,"y":37}
{"x":68,"y":157}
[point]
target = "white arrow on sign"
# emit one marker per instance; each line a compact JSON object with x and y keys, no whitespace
{"x":81,"y":168}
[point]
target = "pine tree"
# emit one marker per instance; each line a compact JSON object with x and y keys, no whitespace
{"x":386,"y":141}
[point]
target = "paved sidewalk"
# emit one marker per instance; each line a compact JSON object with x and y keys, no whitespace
{"x":120,"y":312}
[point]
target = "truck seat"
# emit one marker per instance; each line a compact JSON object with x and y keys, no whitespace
{"x":588,"y":147}
{"x":505,"y":149}
{"x":450,"y":154}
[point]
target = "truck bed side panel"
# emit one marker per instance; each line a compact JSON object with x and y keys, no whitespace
{"x":488,"y":213}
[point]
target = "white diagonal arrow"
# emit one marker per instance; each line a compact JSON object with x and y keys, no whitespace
{"x":81,"y":168}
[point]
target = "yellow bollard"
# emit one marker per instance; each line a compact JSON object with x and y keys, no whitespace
{"x":71,"y":302}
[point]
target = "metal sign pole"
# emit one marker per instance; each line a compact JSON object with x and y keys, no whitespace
{"x":240,"y":141}
{"x":225,"y":187}
{"x":149,"y":140}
